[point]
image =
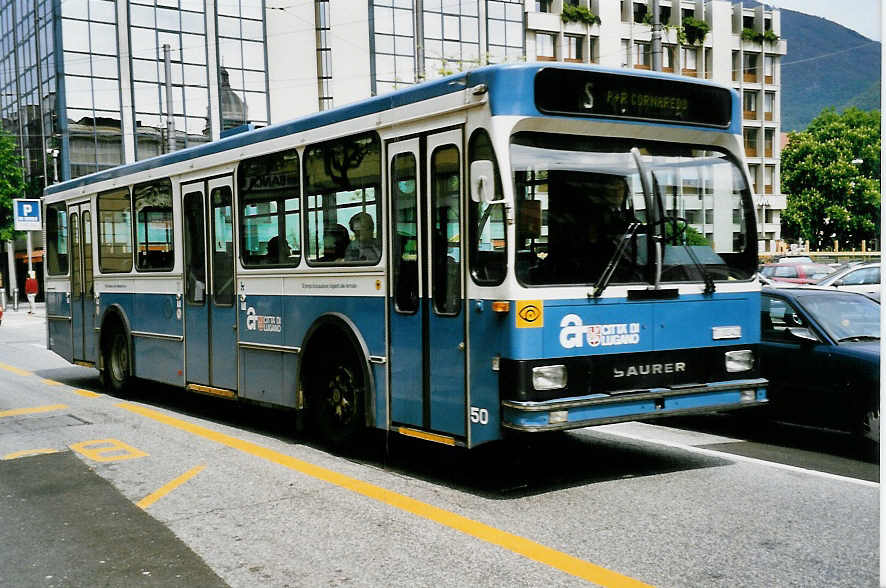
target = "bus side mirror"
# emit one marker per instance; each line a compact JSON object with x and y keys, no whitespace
{"x":482,"y":181}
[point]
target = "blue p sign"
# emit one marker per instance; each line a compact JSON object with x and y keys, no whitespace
{"x":27,"y":215}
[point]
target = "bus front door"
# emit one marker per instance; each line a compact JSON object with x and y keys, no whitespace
{"x":210,"y":314}
{"x":82,"y":284}
{"x":427,"y":332}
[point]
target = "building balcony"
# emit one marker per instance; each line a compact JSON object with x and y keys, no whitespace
{"x":750,"y":151}
{"x":767,"y":152}
{"x":750,"y":77}
{"x":749,"y":114}
{"x":767,"y":116}
{"x":543,"y":21}
{"x":692,"y":73}
{"x":641,"y":66}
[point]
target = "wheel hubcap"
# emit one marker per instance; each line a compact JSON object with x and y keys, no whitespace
{"x":342,"y":399}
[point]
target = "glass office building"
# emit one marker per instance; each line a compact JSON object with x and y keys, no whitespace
{"x":83,"y":82}
{"x":414,"y":40}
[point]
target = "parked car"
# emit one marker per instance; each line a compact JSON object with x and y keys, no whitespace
{"x":864,"y":278}
{"x":795,"y":259}
{"x":796,"y":273}
{"x":820,"y":351}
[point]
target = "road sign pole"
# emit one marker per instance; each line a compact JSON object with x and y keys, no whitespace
{"x":30,"y":248}
{"x":13,"y":283}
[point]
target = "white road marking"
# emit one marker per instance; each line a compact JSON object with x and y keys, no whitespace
{"x":639,"y":436}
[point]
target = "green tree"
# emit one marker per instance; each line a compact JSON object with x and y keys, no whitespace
{"x":831,"y":175}
{"x":12,"y":182}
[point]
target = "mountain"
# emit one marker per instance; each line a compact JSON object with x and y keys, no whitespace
{"x":826,"y":65}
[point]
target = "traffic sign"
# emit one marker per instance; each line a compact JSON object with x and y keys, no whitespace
{"x":27,"y":214}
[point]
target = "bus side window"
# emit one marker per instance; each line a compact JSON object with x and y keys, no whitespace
{"x":270,"y":210}
{"x":486,"y":222}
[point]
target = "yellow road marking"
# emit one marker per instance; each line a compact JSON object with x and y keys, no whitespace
{"x":50,"y":382}
{"x":14,"y":370}
{"x":105,"y":450}
{"x":167,"y":488}
{"x":520,"y":545}
{"x":27,"y":452}
{"x":87,"y":393}
{"x":32,"y":410}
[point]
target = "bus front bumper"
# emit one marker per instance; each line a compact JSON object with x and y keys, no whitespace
{"x":631,"y":405}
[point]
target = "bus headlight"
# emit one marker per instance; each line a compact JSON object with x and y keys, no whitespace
{"x":739,"y":361}
{"x":549,"y":377}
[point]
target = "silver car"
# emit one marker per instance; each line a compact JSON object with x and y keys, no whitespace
{"x":863,"y":278}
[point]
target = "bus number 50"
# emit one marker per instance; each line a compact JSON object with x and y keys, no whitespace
{"x":479,"y":415}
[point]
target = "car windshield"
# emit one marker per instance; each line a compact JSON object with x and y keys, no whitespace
{"x":581,"y":209}
{"x":845,"y":316}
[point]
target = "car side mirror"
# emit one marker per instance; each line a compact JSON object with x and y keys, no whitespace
{"x":803,"y":333}
{"x":837,"y":283}
{"x":482,"y":181}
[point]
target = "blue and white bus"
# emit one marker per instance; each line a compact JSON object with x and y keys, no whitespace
{"x":526,"y":247}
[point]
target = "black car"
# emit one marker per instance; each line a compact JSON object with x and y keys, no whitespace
{"x":821,"y":353}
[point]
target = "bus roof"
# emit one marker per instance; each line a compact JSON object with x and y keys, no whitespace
{"x":517,"y":99}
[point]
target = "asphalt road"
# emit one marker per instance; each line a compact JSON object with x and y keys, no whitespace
{"x":166,"y":488}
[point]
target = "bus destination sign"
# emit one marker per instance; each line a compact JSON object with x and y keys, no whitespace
{"x":590,"y":93}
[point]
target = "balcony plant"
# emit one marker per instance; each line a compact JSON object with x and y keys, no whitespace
{"x":572,"y":13}
{"x":693,"y":31}
{"x":758,"y":37}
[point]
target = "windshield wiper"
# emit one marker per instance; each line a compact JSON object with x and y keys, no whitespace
{"x":616,"y":257}
{"x":859,"y":338}
{"x":709,"y":286}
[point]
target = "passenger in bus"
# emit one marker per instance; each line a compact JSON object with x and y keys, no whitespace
{"x":335,"y":243}
{"x":364,"y":246}
{"x":278,"y":250}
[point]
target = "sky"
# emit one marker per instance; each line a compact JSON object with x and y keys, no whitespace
{"x":862,"y":16}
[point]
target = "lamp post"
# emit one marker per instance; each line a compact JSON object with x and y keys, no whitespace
{"x":54,"y":154}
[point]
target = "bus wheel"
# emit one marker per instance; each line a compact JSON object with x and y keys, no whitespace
{"x":338,"y":402}
{"x":115,"y":375}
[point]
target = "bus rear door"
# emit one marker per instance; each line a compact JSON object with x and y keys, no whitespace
{"x":82,"y":283}
{"x":210,"y":314}
{"x":427,"y":333}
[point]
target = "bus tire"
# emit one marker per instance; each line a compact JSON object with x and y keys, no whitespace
{"x":339,"y":392}
{"x":117,"y":363}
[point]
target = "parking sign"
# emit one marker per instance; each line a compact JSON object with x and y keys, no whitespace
{"x":27,"y":214}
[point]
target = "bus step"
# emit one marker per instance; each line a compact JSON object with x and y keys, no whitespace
{"x":436,"y":438}
{"x":223,"y":392}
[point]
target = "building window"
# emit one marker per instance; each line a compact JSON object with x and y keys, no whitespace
{"x":750,"y":105}
{"x":768,"y":176}
{"x":625,"y":53}
{"x":451,"y":37}
{"x":768,"y":105}
{"x":394,"y":37}
{"x":241,"y":59}
{"x":689,"y":60}
{"x":593,"y":50}
{"x":754,"y":171}
{"x":324,"y":54}
{"x":543,"y":5}
{"x":544,"y":47}
{"x":504,"y":30}
{"x":668,"y":57}
{"x":642,"y":56}
{"x":640,"y":11}
{"x":750,"y":142}
{"x":769,"y":69}
{"x":768,"y":141}
{"x":749,"y":67}
{"x":574,"y":47}
{"x":92,"y":83}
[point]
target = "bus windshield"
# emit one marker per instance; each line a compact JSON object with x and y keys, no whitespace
{"x":581,"y":212}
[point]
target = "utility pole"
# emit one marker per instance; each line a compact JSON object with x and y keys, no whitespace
{"x":656,"y":37}
{"x":170,"y":122}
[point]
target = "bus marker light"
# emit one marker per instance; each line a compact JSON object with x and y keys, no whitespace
{"x":501,"y":306}
{"x":558,"y":416}
{"x":748,"y":395}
